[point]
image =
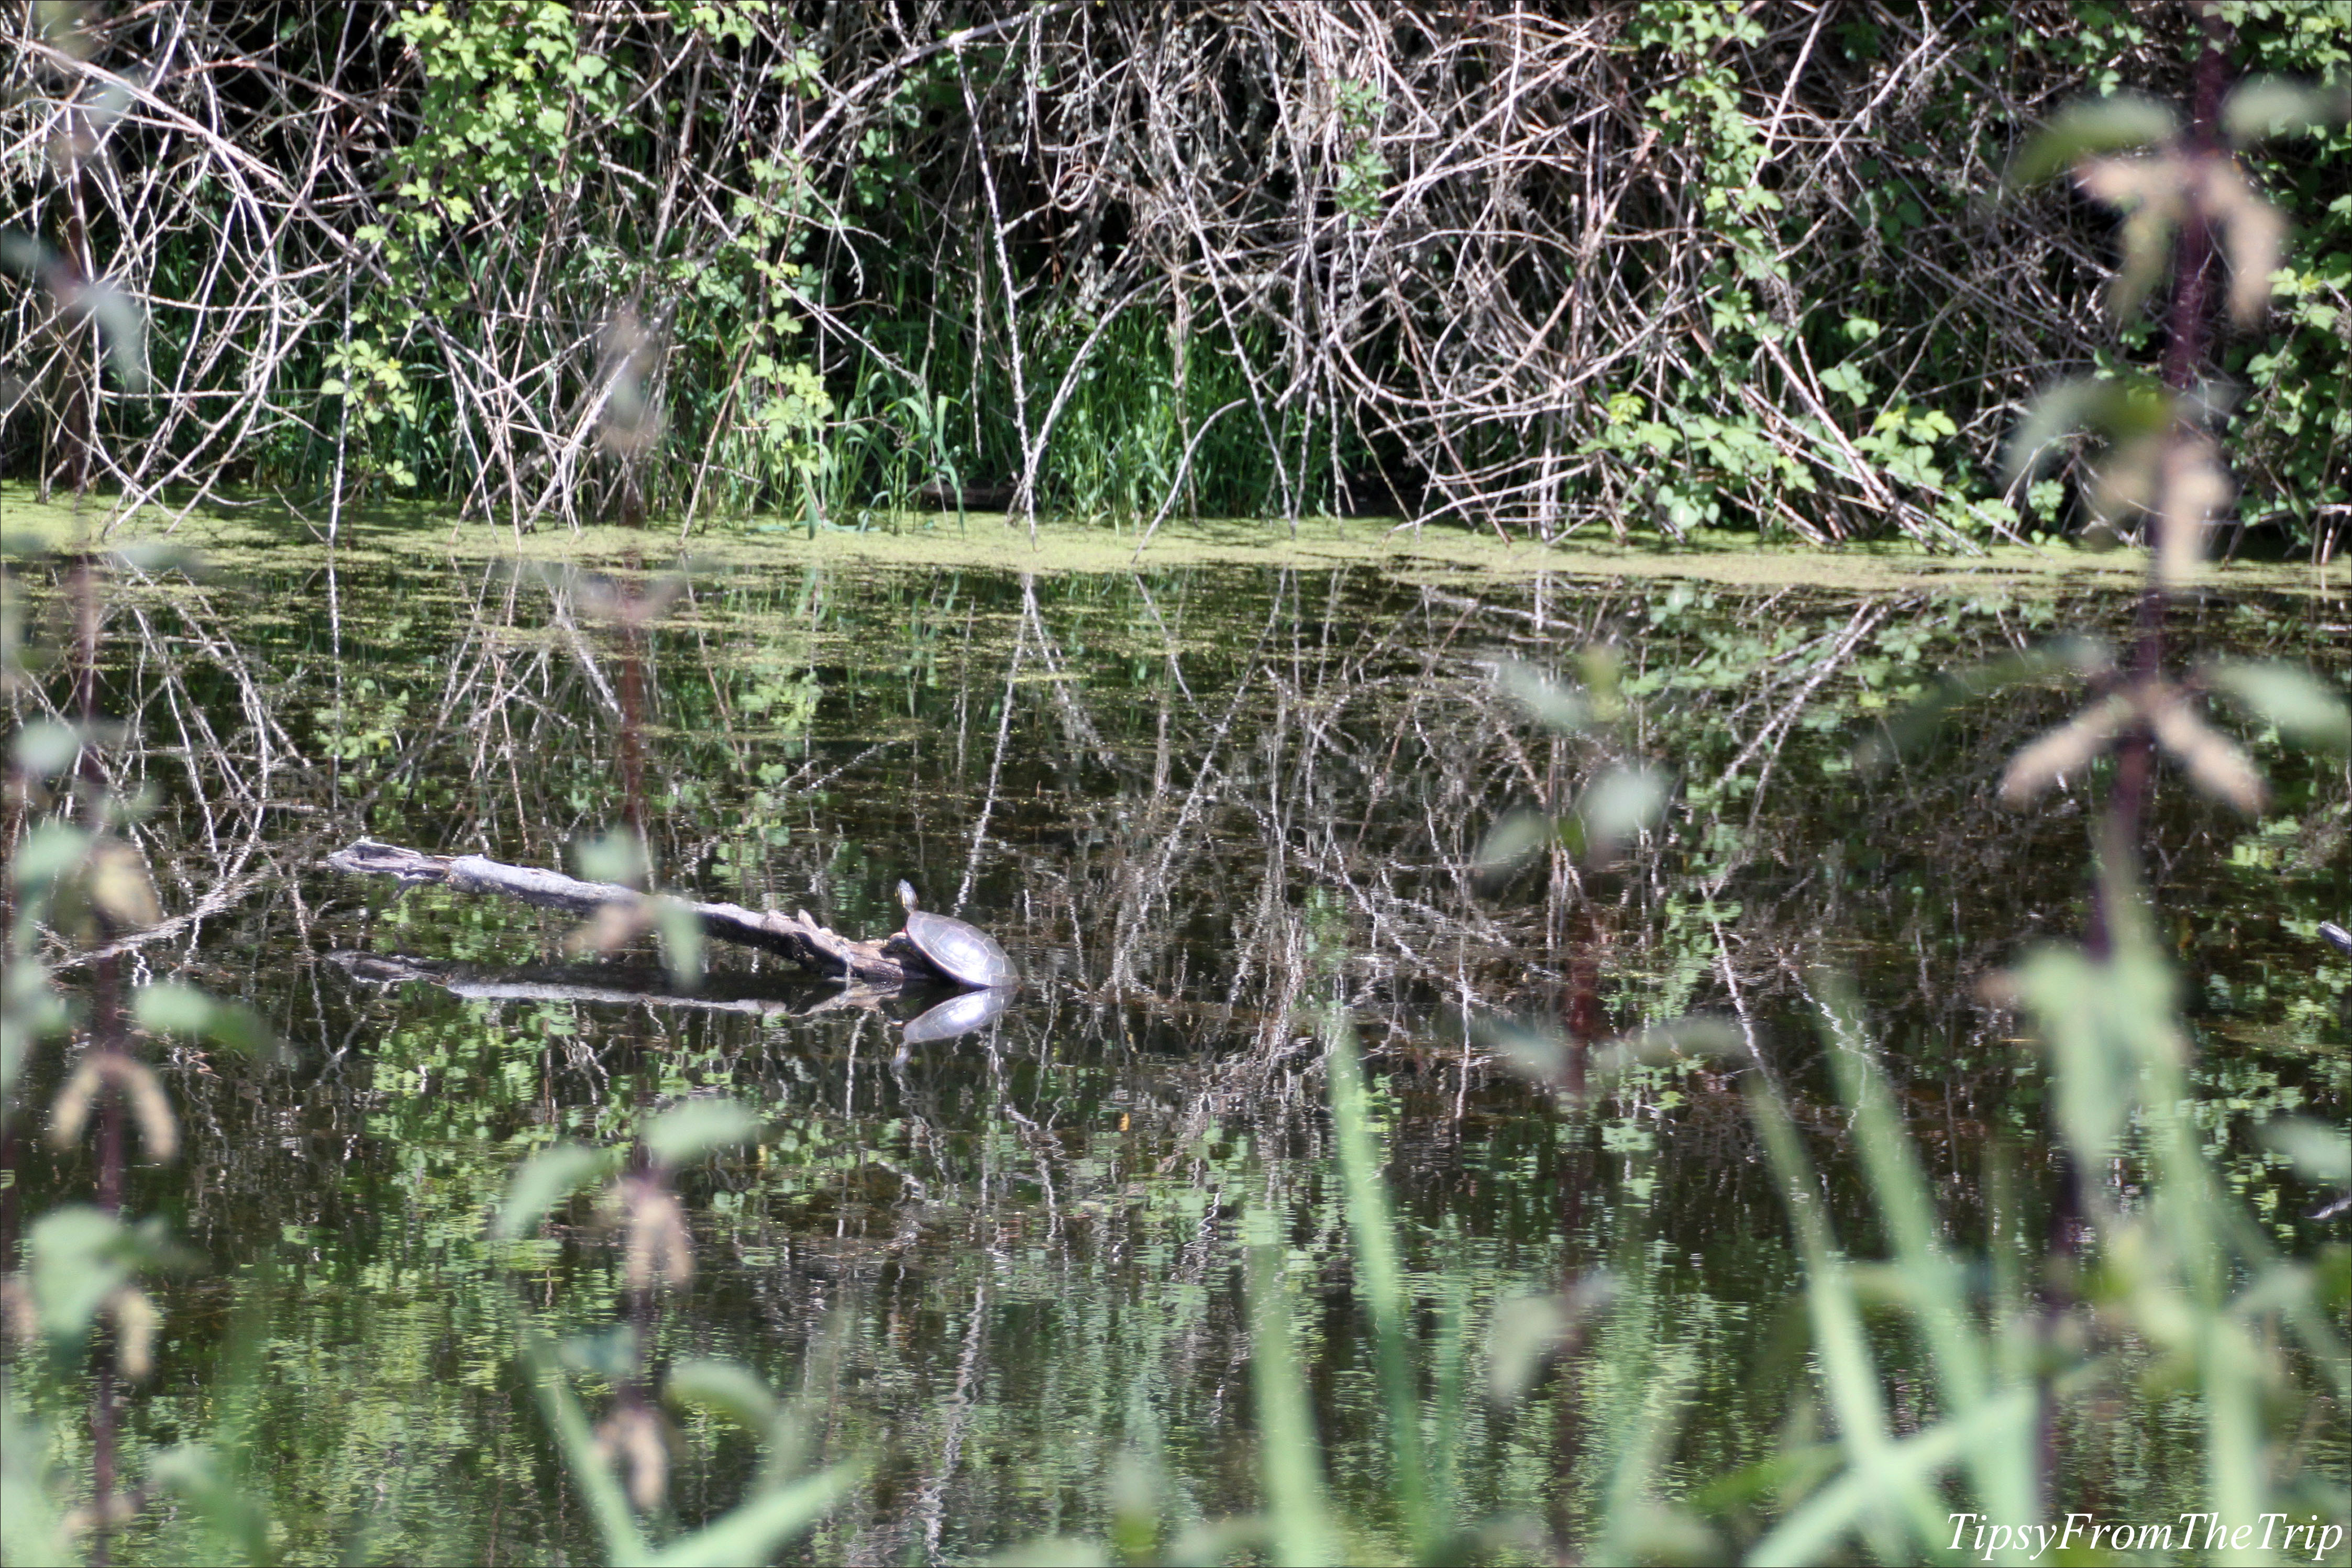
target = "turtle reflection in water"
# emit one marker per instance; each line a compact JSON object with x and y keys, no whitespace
{"x":948,"y":948}
{"x":962,"y":1014}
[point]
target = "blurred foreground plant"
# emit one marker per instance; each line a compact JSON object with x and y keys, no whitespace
{"x":2152,"y":1257}
{"x":2163,"y":1257}
{"x":77,"y":1287}
{"x":621,"y":1464}
{"x":74,"y":1287}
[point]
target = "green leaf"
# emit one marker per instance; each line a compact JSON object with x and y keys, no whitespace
{"x":20,"y":252}
{"x":2307,"y":711}
{"x":1527,"y":1330}
{"x":1299,"y":1526}
{"x":1056,"y":1551}
{"x":1693,"y":1034}
{"x":1380,"y":1273}
{"x":2118,"y":407}
{"x":45,"y":747}
{"x":2099,"y":125}
{"x":2104,"y":1022}
{"x":161,"y":555}
{"x":1221,"y":1539}
{"x":1927,"y":1279}
{"x":681,"y":941}
{"x":2319,"y":1152}
{"x":78,"y":1256}
{"x":1849,"y":1371}
{"x":169,"y":1008}
{"x":1527,"y":1049}
{"x":122,"y":326}
{"x":236,"y":1518}
{"x":544,"y":1181}
{"x":1619,"y":804}
{"x":1848,"y":381}
{"x":612,"y":1353}
{"x":48,"y":853}
{"x":1906,"y":730}
{"x":2068,"y":748}
{"x":1552,"y":705}
{"x":2215,"y":764}
{"x":1814,"y":1527}
{"x":684,"y":1133}
{"x":615,"y":856}
{"x":753,"y":1530}
{"x":725,"y":1388}
{"x":2265,"y":106}
{"x":32,"y":1532}
{"x":116,"y":877}
{"x":1510,"y":842}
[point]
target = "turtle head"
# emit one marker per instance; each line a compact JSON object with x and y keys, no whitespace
{"x":906,"y":895}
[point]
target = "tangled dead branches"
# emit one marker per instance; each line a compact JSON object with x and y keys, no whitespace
{"x":1661,"y":262}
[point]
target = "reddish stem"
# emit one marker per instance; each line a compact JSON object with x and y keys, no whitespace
{"x":101,"y":1462}
{"x":2188,"y":324}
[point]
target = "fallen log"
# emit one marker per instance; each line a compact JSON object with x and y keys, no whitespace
{"x":794,"y":936}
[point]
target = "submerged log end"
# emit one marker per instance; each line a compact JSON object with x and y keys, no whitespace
{"x":367,"y":858}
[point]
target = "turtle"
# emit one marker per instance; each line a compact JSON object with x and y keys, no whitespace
{"x":949,"y":948}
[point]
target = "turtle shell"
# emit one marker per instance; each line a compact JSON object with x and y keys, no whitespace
{"x":962,"y":953}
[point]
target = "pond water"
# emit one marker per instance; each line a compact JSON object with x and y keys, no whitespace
{"x":1003,"y":1273}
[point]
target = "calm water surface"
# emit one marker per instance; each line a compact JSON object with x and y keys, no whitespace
{"x":1198,"y":807}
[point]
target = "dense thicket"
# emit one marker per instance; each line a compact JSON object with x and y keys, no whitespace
{"x":1658,"y":262}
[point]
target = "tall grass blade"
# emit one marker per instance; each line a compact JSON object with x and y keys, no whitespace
{"x":1856,"y":1393}
{"x":1298,"y":1521}
{"x":1813,"y":1530}
{"x":1935,"y":1285}
{"x":1634,"y":1527}
{"x":1379,"y":1277}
